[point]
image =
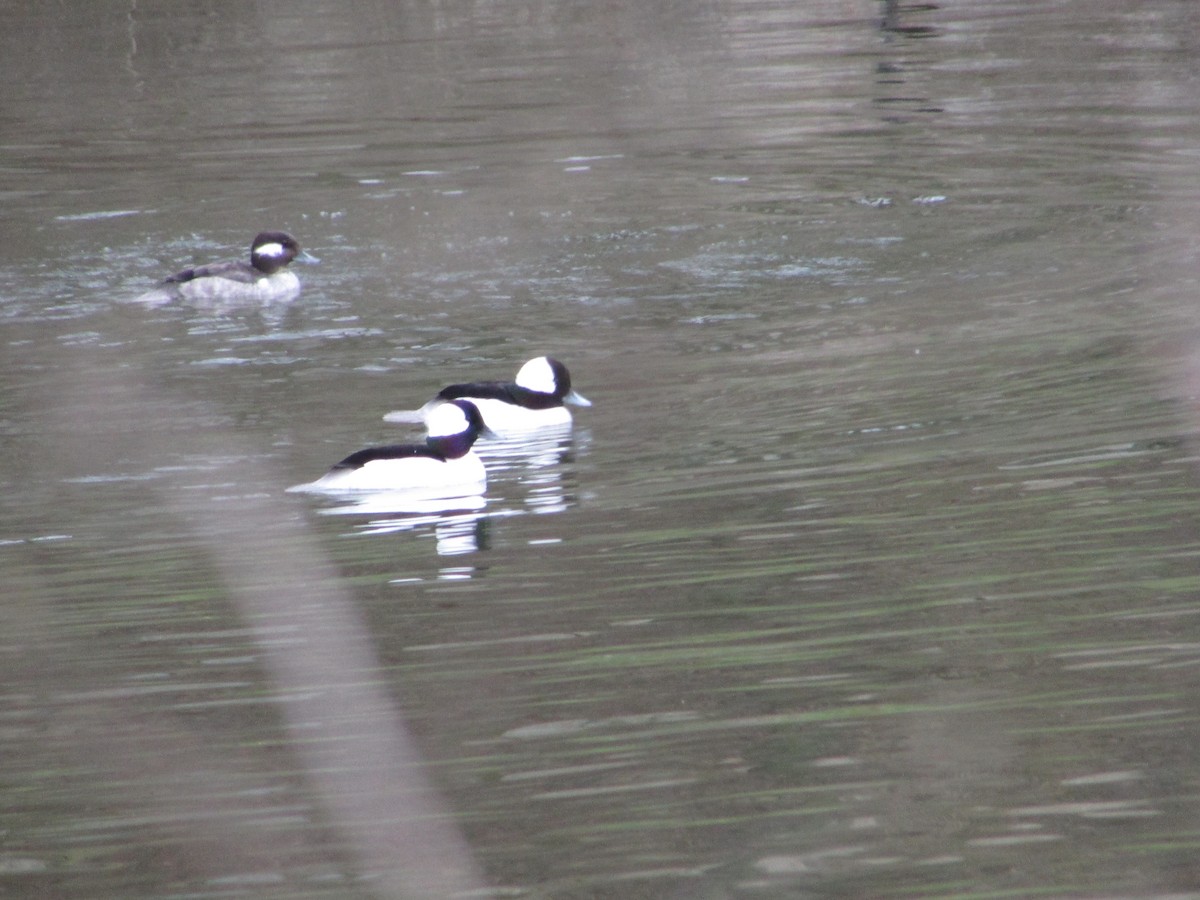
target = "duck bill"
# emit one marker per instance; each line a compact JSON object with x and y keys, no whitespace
{"x":577,"y":399}
{"x":305,"y":257}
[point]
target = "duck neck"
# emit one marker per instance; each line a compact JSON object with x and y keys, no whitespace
{"x":451,"y":446}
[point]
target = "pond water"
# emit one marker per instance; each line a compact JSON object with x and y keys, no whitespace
{"x":872,"y":571}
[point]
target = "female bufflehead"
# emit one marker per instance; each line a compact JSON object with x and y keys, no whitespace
{"x":264,"y":279}
{"x":444,"y":466}
{"x":535,"y":400}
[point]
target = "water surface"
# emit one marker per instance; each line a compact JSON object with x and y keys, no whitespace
{"x":871,"y":573}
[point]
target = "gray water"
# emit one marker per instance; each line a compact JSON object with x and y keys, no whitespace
{"x":872,"y":572}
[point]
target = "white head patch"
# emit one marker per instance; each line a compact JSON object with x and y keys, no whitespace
{"x":538,"y":375}
{"x":446,"y":419}
{"x":274,"y":249}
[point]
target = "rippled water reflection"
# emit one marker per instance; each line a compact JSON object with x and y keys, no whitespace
{"x":870,"y":573}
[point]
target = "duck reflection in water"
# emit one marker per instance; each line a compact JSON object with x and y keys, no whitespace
{"x":532,"y":468}
{"x":460,"y":525}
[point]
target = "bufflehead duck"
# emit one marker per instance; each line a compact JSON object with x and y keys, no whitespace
{"x":444,"y":466}
{"x":534,"y":400}
{"x":263,"y":279}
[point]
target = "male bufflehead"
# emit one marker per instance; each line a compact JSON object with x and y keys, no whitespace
{"x":534,"y":400}
{"x":264,"y":279}
{"x":444,"y":466}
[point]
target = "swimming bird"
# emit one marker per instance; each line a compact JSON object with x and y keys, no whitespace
{"x":265,"y":278}
{"x":536,"y":399}
{"x":444,"y":466}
